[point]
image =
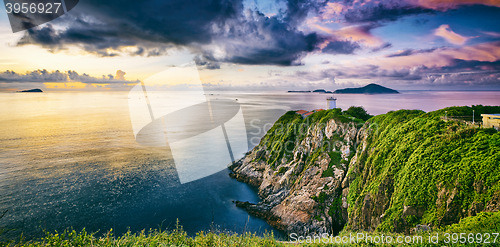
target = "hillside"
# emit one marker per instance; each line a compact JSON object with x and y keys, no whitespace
{"x":332,"y":172}
{"x":368,"y":89}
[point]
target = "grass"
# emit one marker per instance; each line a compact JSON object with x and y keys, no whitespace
{"x":155,"y":238}
{"x":151,"y":238}
{"x":483,"y":223}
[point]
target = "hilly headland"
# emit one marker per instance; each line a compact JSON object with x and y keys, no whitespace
{"x":397,"y":172}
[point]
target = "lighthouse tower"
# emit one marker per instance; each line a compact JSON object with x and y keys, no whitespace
{"x":331,"y":103}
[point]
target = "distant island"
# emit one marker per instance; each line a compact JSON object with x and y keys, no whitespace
{"x":368,"y":89}
{"x":36,"y":90}
{"x":321,"y":91}
{"x":292,"y":91}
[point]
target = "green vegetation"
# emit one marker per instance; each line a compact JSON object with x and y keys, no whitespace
{"x":358,"y":112}
{"x":335,"y":208}
{"x":482,"y":223}
{"x":414,"y":159}
{"x":335,"y":159}
{"x":290,"y":129}
{"x":152,"y":238}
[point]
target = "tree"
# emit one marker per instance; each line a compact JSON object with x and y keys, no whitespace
{"x":358,"y":112}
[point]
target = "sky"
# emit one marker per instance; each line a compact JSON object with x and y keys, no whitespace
{"x":259,"y":45}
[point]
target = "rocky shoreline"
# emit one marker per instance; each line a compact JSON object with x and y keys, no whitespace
{"x":299,"y":198}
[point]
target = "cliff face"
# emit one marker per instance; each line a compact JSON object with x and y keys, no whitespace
{"x":302,"y":191}
{"x":329,"y":172}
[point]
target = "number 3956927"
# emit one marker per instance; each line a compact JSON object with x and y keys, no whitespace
{"x":33,"y":8}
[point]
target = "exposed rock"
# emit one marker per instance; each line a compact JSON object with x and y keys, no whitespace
{"x":449,"y":201}
{"x":296,"y":197}
{"x":494,"y":204}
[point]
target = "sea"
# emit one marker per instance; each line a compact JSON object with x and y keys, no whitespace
{"x":70,"y":160}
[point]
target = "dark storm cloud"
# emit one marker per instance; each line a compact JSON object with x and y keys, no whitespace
{"x":257,"y":39}
{"x":409,"y":52}
{"x":297,"y":10}
{"x":219,"y":30}
{"x":41,"y":76}
{"x":341,"y":47}
{"x":202,"y":63}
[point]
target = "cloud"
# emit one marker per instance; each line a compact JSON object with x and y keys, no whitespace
{"x":489,"y":52}
{"x":458,"y":73}
{"x":360,"y":33}
{"x":341,"y":47}
{"x":451,"y":4}
{"x":409,"y":52}
{"x":219,"y":30}
{"x":42,"y":76}
{"x":486,"y":52}
{"x":374,"y":72}
{"x":382,"y":12}
{"x":463,"y":67}
{"x":459,"y":65}
{"x":382,"y":47}
{"x":202,"y":63}
{"x":120,"y":75}
{"x":445,"y":32}
{"x":258,"y":39}
{"x":332,"y":10}
{"x":492,"y":34}
{"x":282,"y":85}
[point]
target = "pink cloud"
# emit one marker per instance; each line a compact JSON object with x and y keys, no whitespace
{"x":486,"y":52}
{"x":355,"y":33}
{"x":493,"y":34}
{"x":445,"y":32}
{"x":332,"y":10}
{"x":359,"y":33}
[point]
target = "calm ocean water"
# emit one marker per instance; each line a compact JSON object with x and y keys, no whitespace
{"x":71,"y":160}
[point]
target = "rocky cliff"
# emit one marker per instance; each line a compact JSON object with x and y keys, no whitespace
{"x":332,"y":171}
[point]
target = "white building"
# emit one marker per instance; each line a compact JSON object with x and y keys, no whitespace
{"x":491,"y":121}
{"x":331,"y":103}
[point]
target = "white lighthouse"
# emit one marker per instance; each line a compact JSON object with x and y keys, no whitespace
{"x":331,"y":103}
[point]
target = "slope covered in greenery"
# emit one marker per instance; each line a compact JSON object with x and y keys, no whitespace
{"x":419,"y":169}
